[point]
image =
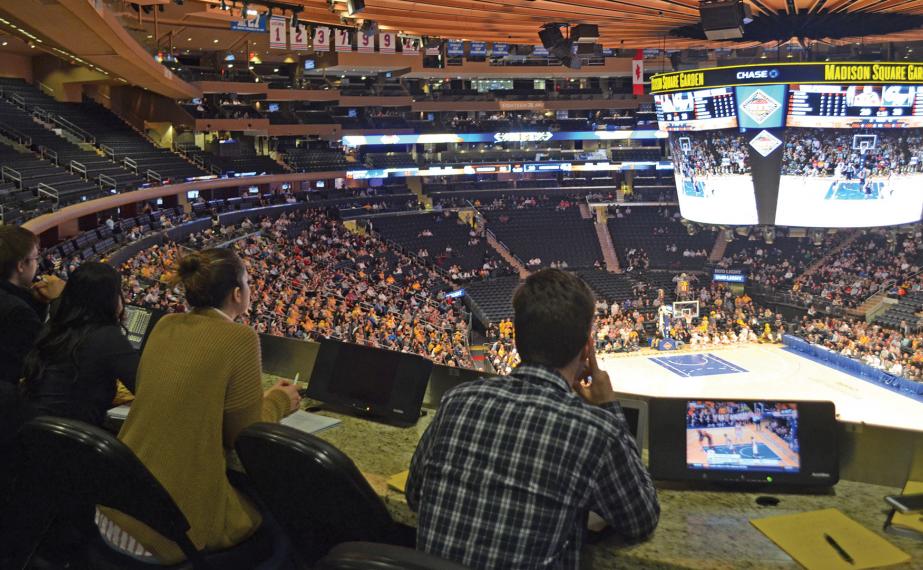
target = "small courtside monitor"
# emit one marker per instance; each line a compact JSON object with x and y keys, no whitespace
{"x":744,"y":441}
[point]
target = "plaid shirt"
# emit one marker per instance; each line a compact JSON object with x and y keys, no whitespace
{"x":504,"y":476}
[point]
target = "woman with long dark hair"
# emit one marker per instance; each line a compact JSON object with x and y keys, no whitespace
{"x":78,"y":357}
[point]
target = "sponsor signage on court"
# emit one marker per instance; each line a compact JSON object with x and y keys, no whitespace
{"x":841,"y":72}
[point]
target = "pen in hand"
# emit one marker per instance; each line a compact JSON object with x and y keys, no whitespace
{"x":839,"y":549}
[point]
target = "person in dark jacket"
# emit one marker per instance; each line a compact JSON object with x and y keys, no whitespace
{"x":23,"y":304}
{"x":23,"y":309}
{"x":73,"y":368}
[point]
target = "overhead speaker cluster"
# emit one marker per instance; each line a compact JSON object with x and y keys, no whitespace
{"x":722,"y":19}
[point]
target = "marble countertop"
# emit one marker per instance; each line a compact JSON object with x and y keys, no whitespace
{"x":697,"y":530}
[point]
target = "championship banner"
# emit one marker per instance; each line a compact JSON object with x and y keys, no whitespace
{"x":298,"y":39}
{"x":387,"y":42}
{"x":341,"y":40}
{"x":455,"y":48}
{"x":321,"y":38}
{"x":365,"y":42}
{"x":477,"y":49}
{"x":637,"y":73}
{"x":410,"y":46}
{"x":500,"y":50}
{"x":277,"y":32}
{"x":540,"y":51}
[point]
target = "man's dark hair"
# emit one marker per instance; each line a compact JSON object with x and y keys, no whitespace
{"x":553,"y":314}
{"x":16,"y":243}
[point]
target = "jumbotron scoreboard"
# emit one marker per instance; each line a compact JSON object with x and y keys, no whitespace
{"x":803,"y":144}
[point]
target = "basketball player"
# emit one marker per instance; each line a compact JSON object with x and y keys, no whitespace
{"x":864,"y":185}
{"x":755,"y":448}
{"x":728,"y":443}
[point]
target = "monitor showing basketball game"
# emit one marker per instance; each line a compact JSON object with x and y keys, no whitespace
{"x":714,"y":182}
{"x":742,"y":436}
{"x":846,"y":177}
{"x":744,"y":441}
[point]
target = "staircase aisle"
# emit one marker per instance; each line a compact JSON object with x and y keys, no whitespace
{"x":608,"y":248}
{"x":721,"y":245}
{"x":507,"y":256}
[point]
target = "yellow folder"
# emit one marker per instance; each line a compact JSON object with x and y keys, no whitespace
{"x":802,"y":537}
{"x":913,"y":521}
{"x":399,"y":482}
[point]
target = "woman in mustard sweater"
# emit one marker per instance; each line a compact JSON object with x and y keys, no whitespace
{"x":198,"y":387}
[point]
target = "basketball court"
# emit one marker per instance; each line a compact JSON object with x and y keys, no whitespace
{"x":759,"y":372}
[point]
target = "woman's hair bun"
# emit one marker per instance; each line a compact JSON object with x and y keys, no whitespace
{"x":189,"y":265}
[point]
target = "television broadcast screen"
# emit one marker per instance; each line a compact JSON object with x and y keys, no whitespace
{"x":714,"y":181}
{"x":742,"y":436}
{"x":851,"y":178}
{"x":701,"y":110}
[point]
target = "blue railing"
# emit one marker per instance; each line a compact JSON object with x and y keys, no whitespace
{"x":855,"y":368}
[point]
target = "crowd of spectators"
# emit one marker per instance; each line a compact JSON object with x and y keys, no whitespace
{"x":897,"y":352}
{"x":775,"y":266}
{"x":312,"y":278}
{"x":865,"y":267}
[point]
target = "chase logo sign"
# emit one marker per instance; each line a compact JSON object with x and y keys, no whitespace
{"x":759,"y":106}
{"x":751,"y":74}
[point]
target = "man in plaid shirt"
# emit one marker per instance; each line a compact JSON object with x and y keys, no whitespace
{"x":504,"y":476}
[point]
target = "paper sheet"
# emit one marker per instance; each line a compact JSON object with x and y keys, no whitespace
{"x":308,"y":422}
{"x":399,"y":482}
{"x":802,"y":537}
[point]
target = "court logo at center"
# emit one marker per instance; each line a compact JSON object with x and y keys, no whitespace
{"x":759,"y":106}
{"x":764,"y":143}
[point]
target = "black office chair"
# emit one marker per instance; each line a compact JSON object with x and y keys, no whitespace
{"x":315,"y":491}
{"x":373,"y":556}
{"x":73,"y":466}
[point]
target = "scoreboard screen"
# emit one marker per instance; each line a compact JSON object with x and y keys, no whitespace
{"x":855,"y":106}
{"x":701,"y":110}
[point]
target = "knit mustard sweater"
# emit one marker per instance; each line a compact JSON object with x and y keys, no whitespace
{"x":198,"y":386}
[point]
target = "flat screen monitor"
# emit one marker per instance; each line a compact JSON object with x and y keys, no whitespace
{"x":744,"y":441}
{"x":380,"y":384}
{"x":444,"y":378}
{"x":288,"y":357}
{"x":138,"y":323}
{"x":851,"y":177}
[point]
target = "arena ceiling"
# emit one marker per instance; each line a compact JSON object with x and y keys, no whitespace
{"x":622,"y":23}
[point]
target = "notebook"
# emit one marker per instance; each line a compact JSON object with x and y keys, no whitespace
{"x":802,"y":537}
